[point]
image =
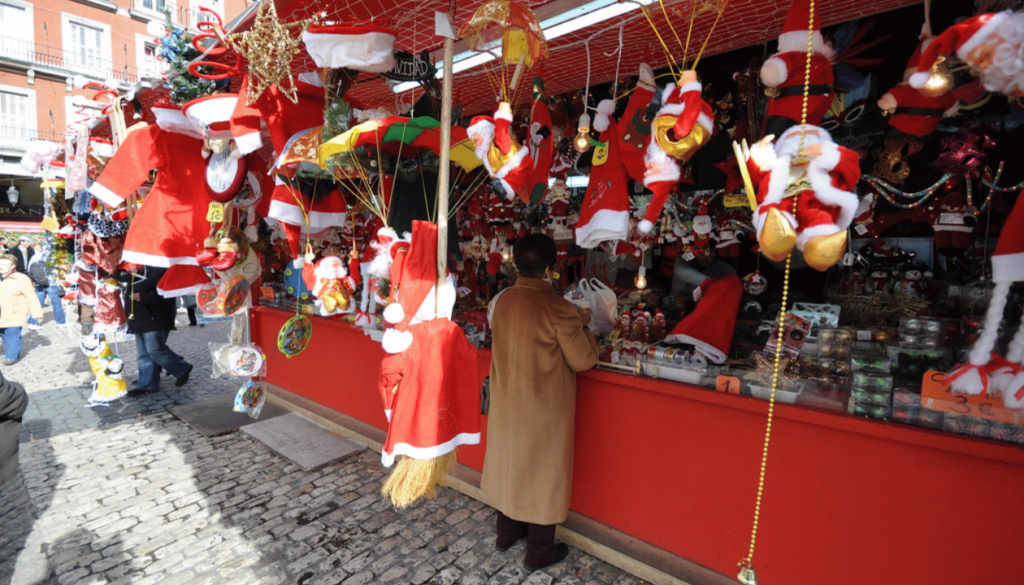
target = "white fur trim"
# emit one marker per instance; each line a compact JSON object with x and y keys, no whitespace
{"x":645,"y":226}
{"x":918,"y":80}
{"x":706,"y":122}
{"x":108,"y":197}
{"x":503,"y":115}
{"x":774,"y":72}
{"x":707,"y":350}
{"x":828,"y":159}
{"x":981,"y":35}
{"x":812,"y":232}
{"x":395,"y":341}
{"x":969,"y":382}
{"x":691,"y":86}
{"x":821,"y":182}
{"x":286,"y":213}
{"x":394,"y":313}
{"x":387,"y":459}
{"x":178,"y":292}
{"x":605,"y":225}
{"x":158,"y":261}
{"x":319,"y":220}
{"x":603,"y":119}
{"x":430,"y":309}
{"x":1008,"y":267}
{"x":371,"y":51}
{"x":797,"y":41}
{"x":249,"y":142}
{"x":510,"y":192}
{"x":670,"y":110}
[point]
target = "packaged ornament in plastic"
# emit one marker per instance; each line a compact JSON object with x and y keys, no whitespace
{"x":250,"y":399}
{"x":244,"y":360}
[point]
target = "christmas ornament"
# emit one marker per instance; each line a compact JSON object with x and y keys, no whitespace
{"x":269,"y":47}
{"x":250,"y":399}
{"x":754,"y":283}
{"x":507,"y":162}
{"x":245,"y":360}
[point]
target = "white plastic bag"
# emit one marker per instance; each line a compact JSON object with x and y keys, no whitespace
{"x":603,"y":307}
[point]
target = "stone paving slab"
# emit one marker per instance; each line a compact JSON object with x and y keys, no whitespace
{"x":215,"y":416}
{"x":301,"y":441}
{"x":129,"y":494}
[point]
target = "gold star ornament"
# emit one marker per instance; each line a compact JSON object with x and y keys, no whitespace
{"x":269,"y":47}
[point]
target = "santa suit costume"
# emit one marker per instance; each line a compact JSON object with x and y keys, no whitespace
{"x":684,"y":124}
{"x":785,"y":73}
{"x":508,"y":163}
{"x":284,"y":121}
{"x":172,"y":219}
{"x":826,"y":204}
{"x":911,"y":113}
{"x":604,"y":215}
{"x":954,"y":225}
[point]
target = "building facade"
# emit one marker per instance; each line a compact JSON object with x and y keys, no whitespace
{"x":45,"y":45}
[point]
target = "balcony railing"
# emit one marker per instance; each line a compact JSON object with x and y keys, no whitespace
{"x":45,"y":57}
{"x":18,"y":139}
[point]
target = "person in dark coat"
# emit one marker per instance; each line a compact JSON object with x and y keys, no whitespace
{"x":13,"y":402}
{"x":151,"y":319}
{"x":23,"y":252}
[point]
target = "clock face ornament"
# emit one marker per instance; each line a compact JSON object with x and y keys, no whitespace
{"x":224,"y":175}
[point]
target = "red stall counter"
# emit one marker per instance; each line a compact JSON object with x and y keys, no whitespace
{"x":847,"y":500}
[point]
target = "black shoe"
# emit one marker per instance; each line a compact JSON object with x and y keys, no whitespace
{"x":561,"y":551}
{"x":179,"y":382}
{"x":141,"y":391}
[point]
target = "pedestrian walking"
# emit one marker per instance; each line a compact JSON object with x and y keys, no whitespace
{"x":18,"y":302}
{"x":13,"y":402}
{"x":46,"y":287}
{"x":151,"y":319}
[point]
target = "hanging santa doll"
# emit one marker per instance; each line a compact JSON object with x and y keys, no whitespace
{"x":542,"y":148}
{"x":331,"y":284}
{"x":989,"y":43}
{"x":604,"y":215}
{"x":507,"y":162}
{"x":684,"y":123}
{"x":911,"y":113}
{"x":822,"y":178}
{"x":634,"y":129}
{"x":785,"y":73}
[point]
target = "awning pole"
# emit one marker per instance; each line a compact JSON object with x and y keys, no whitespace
{"x":443,"y":176}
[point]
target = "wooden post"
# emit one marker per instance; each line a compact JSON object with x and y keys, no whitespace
{"x":443,"y":175}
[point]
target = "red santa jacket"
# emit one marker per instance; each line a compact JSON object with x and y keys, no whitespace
{"x":917,"y":114}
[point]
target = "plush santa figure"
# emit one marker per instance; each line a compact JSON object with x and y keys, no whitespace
{"x":822,"y":178}
{"x":731,"y":224}
{"x":785,"y":73}
{"x":985,"y":371}
{"x":989,"y":43}
{"x":507,"y":162}
{"x":604,"y":215}
{"x":911,"y":113}
{"x":541,"y":143}
{"x":954,"y":225}
{"x":684,"y":123}
{"x":330,"y":283}
{"x":701,"y":242}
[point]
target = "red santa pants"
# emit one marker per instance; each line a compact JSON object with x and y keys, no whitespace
{"x":812,"y":218}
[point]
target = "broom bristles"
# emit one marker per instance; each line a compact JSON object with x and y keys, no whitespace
{"x":414,"y":479}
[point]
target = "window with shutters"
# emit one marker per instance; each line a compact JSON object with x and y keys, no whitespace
{"x":86,"y":46}
{"x":16,"y":30}
{"x":17,"y":117}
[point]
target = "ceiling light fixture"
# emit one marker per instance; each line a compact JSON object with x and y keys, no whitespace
{"x":569,"y":21}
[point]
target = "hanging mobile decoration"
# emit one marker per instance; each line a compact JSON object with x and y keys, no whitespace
{"x":250,"y":398}
{"x":294,"y":336}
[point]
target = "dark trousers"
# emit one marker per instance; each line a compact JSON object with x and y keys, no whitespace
{"x":540,"y":538}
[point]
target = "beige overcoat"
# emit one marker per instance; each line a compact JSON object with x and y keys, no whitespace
{"x":18,"y":301}
{"x":539,"y":343}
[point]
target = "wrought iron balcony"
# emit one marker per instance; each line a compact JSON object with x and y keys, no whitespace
{"x":15,"y":139}
{"x":56,"y":62}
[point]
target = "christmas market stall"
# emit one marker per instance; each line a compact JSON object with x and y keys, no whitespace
{"x":796,"y":226}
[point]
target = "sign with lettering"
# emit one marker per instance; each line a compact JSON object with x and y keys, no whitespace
{"x":935,"y":395}
{"x":409,"y":67}
{"x":727,"y":384}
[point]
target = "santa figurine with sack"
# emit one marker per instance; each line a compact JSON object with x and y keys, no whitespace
{"x":986,"y":372}
{"x":507,"y":162}
{"x":684,"y":123}
{"x":784,"y":73}
{"x":821,"y":177}
{"x":331,"y":284}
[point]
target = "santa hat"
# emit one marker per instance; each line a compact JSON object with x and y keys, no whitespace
{"x":181,"y":279}
{"x":961,"y":38}
{"x":605,"y":212}
{"x":169,"y":117}
{"x":361,"y":45}
{"x":710,"y":326}
{"x":413,"y":280}
{"x":211,"y":115}
{"x":794,"y":33}
{"x":985,"y":370}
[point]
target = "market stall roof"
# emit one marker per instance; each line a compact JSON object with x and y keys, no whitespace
{"x":743,"y":24}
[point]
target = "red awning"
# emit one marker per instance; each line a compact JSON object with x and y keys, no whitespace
{"x":21,"y":227}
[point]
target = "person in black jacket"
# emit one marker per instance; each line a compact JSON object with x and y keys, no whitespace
{"x":13,"y":402}
{"x":23,"y":252}
{"x":151,"y":319}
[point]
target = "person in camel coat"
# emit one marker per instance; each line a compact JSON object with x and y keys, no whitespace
{"x":539,"y":343}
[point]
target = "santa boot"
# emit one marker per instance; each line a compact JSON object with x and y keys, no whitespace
{"x":822,"y":252}
{"x":777,"y":237}
{"x":205,"y":256}
{"x":227,"y":255}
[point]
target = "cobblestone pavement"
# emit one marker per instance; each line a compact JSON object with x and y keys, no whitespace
{"x":130,"y":494}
